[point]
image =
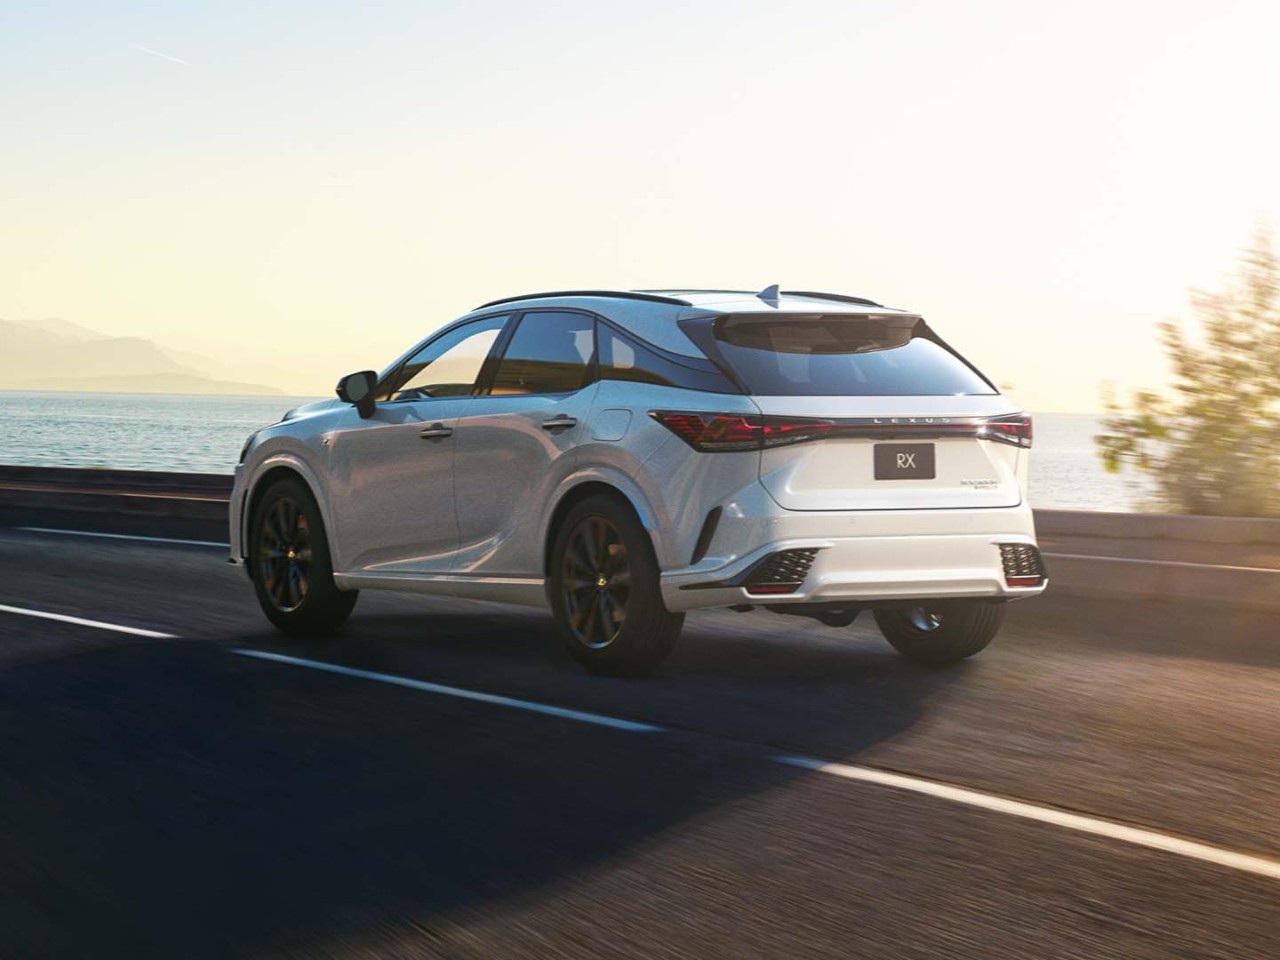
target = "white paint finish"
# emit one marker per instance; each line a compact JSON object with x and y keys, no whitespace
{"x":610,"y":424}
{"x":521,"y":591}
{"x":838,"y":474}
{"x":480,"y":503}
{"x":82,"y":622}
{"x":563,"y":713}
{"x":391,"y":492}
{"x":1185,"y":564}
{"x":1152,"y":839}
{"x":505,"y":462}
{"x":125,"y":536}
{"x":864,"y":555}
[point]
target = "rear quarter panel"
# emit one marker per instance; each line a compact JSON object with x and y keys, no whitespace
{"x":679,"y":484}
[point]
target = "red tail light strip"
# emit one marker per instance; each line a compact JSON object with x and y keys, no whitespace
{"x":1023,"y":581}
{"x":726,"y":432}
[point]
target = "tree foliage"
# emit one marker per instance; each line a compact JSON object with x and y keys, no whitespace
{"x":1213,"y":445}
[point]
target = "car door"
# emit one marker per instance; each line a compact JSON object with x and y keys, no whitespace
{"x":392,"y":475}
{"x":514,"y":437}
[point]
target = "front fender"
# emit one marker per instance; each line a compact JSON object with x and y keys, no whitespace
{"x":297,"y":463}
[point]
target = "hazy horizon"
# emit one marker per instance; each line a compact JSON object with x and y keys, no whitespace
{"x":304,"y":190}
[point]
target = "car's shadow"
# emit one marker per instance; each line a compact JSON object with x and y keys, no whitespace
{"x":784,"y":681}
{"x":176,"y":800}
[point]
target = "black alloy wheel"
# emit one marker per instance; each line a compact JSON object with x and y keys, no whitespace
{"x":605,"y":592}
{"x":596,"y":582}
{"x":284,"y":555}
{"x":290,"y":564}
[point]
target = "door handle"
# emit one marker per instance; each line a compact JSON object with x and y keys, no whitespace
{"x":437,"y":431}
{"x":560,"y":422}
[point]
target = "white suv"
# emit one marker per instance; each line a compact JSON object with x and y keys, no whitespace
{"x":624,"y":457}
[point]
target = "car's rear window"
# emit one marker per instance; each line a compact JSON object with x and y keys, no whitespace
{"x":841,"y":356}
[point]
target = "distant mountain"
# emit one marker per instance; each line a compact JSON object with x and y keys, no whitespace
{"x":59,"y":355}
{"x":65,"y":328}
{"x":146,"y":383}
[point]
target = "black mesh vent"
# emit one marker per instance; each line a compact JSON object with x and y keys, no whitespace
{"x":1022,"y":561}
{"x":784,"y":568}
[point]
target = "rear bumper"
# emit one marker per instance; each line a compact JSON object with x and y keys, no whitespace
{"x":902,"y":555}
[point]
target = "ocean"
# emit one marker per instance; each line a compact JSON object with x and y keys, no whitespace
{"x":203,"y":434}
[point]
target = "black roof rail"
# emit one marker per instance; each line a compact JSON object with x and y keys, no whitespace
{"x":839,"y":297}
{"x":611,"y":294}
{"x":749,"y":293}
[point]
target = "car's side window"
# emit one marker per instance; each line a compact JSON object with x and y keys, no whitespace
{"x":448,"y":366}
{"x":623,"y":358}
{"x":550,"y":352}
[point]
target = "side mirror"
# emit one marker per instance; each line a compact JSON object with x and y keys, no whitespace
{"x":357,"y":389}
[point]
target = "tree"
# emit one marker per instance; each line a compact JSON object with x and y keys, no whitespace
{"x":1214,"y":444}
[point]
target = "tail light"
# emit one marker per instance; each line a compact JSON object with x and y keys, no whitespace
{"x":1015,"y":430}
{"x":724,"y":432}
{"x":727,"y":432}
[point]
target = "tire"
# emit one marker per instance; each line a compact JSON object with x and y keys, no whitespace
{"x":290,"y":564}
{"x":604,"y":591}
{"x":941,"y":632}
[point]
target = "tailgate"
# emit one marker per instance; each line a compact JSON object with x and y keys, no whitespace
{"x":929,"y":453}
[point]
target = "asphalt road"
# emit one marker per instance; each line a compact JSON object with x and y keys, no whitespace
{"x":174,"y":798}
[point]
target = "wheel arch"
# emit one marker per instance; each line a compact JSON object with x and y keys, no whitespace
{"x":272,"y":471}
{"x":580,"y":491}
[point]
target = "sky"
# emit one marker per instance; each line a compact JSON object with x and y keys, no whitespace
{"x":304,"y":189}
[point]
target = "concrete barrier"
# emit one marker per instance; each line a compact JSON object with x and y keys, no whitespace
{"x":1157,"y":526}
{"x":195,"y":496}
{"x":1228,"y":560}
{"x":1123,"y":578}
{"x":1119,"y":555}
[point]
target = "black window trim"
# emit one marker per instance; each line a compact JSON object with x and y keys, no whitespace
{"x":394,"y":370}
{"x":697,"y":364}
{"x":701,"y":365}
{"x":484,"y":383}
{"x":489,"y":368}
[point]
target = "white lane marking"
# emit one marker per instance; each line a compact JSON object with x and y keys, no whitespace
{"x":562,"y":712}
{"x":125,"y":536}
{"x":1247,"y":863}
{"x":81,"y":622}
{"x":1167,"y":843}
{"x":1163,"y":563}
